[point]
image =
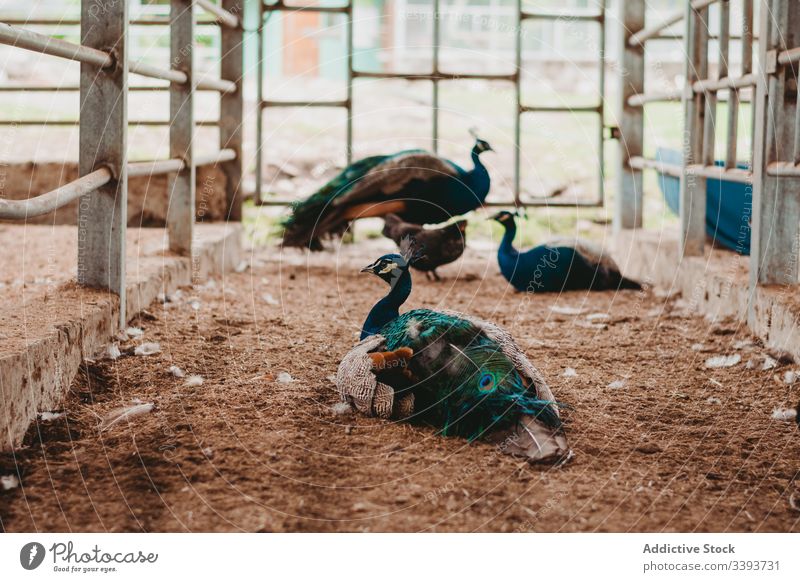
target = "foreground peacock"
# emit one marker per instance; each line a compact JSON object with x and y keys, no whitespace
{"x":459,"y":373}
{"x":560,"y":265}
{"x":418,"y":186}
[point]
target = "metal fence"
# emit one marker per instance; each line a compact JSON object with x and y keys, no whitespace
{"x":773,"y":165}
{"x":103,"y":164}
{"x":435,"y":76}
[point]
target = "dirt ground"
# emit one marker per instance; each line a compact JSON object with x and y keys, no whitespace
{"x":661,"y":442}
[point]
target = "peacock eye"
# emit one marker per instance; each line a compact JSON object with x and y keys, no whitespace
{"x":486,"y":382}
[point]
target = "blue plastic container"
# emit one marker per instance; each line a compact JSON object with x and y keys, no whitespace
{"x":728,"y":205}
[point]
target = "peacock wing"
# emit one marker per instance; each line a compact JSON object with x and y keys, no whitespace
{"x":590,"y":251}
{"x":391,"y":175}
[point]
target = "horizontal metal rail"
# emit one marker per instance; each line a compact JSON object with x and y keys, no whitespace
{"x":789,"y":56}
{"x":221,"y":85}
{"x":153,"y":72}
{"x":153,"y":21}
{"x":275,"y":103}
{"x":40,"y":43}
{"x":435,"y":76}
{"x":50,"y":201}
{"x":157,"y":167}
{"x":654,"y":31}
{"x":222,"y":16}
{"x":280,"y":6}
{"x":560,"y":109}
{"x":641,"y":163}
{"x":74,"y":89}
{"x":640,"y":99}
{"x":783,"y":169}
{"x":713,"y":85}
{"x":75,"y":122}
{"x":588,"y":16}
{"x":720,"y":173}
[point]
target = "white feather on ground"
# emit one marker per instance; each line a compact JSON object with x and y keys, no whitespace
{"x":598,"y":316}
{"x":48,"y":416}
{"x":242,"y":267}
{"x":9,"y":482}
{"x":616,"y":384}
{"x":176,"y":371}
{"x":125,"y":413}
{"x":194,"y":380}
{"x":567,"y":310}
{"x":135,"y":332}
{"x":769,"y":363}
{"x":147,"y":349}
{"x":570,"y":373}
{"x":791,"y":376}
{"x":713,"y":400}
{"x":112,"y":352}
{"x":723,"y":361}
{"x":269,"y":299}
{"x":784,"y":414}
{"x":341,"y":408}
{"x":284,"y":378}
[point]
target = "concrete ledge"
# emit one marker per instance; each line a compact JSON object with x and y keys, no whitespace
{"x":44,"y":341}
{"x":716,"y":285}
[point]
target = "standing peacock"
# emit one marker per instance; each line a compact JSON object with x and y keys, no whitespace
{"x":419,"y":186}
{"x":457,"y":372}
{"x":557,"y":266}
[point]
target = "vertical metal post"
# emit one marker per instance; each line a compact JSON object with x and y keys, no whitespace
{"x":776,"y":204}
{"x":231,"y":109}
{"x":693,"y":186}
{"x":518,"y":103}
{"x":259,"y":101}
{"x":601,"y":153}
{"x":435,"y":102}
{"x":628,"y":207}
{"x":350,"y":82}
{"x":103,"y":214}
{"x":181,"y":185}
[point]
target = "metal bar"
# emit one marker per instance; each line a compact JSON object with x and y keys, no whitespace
{"x":50,"y":201}
{"x":349,"y":96}
{"x":747,"y":36}
{"x":154,"y":168}
{"x":561,"y":109}
{"x":434,"y":76}
{"x":257,"y":194}
{"x":273,"y":103}
{"x":435,"y":82}
{"x":601,"y":149}
{"x":103,"y":214}
{"x":796,"y":153}
{"x":790,"y":56}
{"x":783,"y":170}
{"x":628,"y":207}
{"x":720,"y":173}
{"x":224,"y":17}
{"x":221,"y":85}
{"x":71,"y":88}
{"x":281,"y":7}
{"x":232,"y":109}
{"x":153,"y":21}
{"x":587,"y":16}
{"x":226,"y":155}
{"x":41,"y":43}
{"x":639,"y":99}
{"x":75,"y":122}
{"x":146,"y":70}
{"x":518,"y":102}
{"x":713,"y":85}
{"x":693,"y":186}
{"x":641,"y":163}
{"x":181,"y":183}
{"x":733,"y":129}
{"x":644,"y":34}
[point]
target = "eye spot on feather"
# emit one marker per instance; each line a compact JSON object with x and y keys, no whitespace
{"x":486,"y":383}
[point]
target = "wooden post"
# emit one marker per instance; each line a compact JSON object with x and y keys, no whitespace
{"x":628,"y":208}
{"x":693,"y":186}
{"x":103,"y":214}
{"x":232,"y":107}
{"x":181,"y":185}
{"x":776,"y":202}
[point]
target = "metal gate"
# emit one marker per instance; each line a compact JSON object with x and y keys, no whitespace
{"x":435,"y":76}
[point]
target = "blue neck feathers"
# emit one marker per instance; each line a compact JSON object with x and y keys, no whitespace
{"x":387,"y":308}
{"x":480,"y":177}
{"x":507,"y":244}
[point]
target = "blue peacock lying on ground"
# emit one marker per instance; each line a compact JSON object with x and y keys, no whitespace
{"x":459,"y":373}
{"x":564,"y":265}
{"x":420,"y":187}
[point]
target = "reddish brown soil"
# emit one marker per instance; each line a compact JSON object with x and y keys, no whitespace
{"x":245,"y":452}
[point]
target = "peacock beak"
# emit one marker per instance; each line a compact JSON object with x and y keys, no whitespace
{"x":368,"y":269}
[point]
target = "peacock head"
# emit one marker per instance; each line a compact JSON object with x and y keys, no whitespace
{"x":389,"y":268}
{"x":506,"y":218}
{"x":480,"y":144}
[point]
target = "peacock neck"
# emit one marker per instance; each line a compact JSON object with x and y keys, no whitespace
{"x":387,"y":308}
{"x":480,"y":176}
{"x":507,"y":244}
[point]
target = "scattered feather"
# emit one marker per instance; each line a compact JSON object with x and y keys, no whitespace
{"x":147,"y":349}
{"x":208,"y":452}
{"x":195,"y":304}
{"x":617,"y":384}
{"x":194,"y":380}
{"x":741,"y":344}
{"x":790,"y":377}
{"x":723,"y":361}
{"x":112,"y":352}
{"x":269,"y":299}
{"x":331,"y":378}
{"x":242,"y":267}
{"x":784,"y":414}
{"x":713,"y":400}
{"x":176,"y":371}
{"x":751,"y":363}
{"x":9,"y":482}
{"x":134,"y":332}
{"x":341,"y":408}
{"x":698,"y":347}
{"x":570,"y":373}
{"x":125,"y":413}
{"x":284,"y":378}
{"x":567,"y":310}
{"x":598,"y":316}
{"x":769,"y":363}
{"x":48,"y":416}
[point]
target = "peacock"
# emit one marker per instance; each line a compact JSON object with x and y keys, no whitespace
{"x":457,"y":372}
{"x":560,"y":265}
{"x":420,"y":187}
{"x":441,"y":245}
